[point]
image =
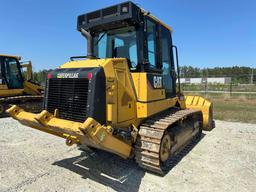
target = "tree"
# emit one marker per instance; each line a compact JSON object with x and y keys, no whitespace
{"x":41,"y":76}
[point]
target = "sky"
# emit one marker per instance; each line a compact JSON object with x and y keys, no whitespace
{"x":208,"y":33}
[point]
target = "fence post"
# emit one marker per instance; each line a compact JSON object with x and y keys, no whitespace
{"x":252,"y":77}
{"x":230,"y":88}
{"x":205,"y":87}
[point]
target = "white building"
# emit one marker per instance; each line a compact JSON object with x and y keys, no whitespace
{"x":209,"y":80}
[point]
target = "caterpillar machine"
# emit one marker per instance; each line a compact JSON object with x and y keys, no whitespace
{"x":17,"y":87}
{"x":122,"y":97}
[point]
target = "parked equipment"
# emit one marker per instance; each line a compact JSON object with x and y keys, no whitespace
{"x":123,"y":98}
{"x":16,"y":85}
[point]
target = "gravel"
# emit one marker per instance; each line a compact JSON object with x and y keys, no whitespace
{"x":30,"y":160}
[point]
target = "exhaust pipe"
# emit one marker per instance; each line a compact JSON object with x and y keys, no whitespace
{"x":89,"y":38}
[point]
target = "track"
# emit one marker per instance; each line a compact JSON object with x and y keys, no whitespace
{"x":31,"y":103}
{"x":151,"y":133}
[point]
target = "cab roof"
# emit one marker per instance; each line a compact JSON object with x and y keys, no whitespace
{"x":158,"y":21}
{"x":13,"y":56}
{"x":126,"y":12}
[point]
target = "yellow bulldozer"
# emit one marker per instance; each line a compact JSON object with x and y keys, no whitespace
{"x":17,"y":86}
{"x":124,"y":97}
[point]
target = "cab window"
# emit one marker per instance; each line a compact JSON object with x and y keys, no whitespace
{"x":117,"y":43}
{"x":151,"y":43}
{"x":168,"y":78}
{"x":12,"y":73}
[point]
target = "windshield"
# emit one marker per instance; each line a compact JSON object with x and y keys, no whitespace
{"x":11,"y":72}
{"x":117,"y":43}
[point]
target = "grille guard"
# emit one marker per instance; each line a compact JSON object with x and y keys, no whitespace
{"x":90,"y":133}
{"x":77,"y":93}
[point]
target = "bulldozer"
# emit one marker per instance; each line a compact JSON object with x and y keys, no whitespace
{"x":17,"y":85}
{"x":124,"y":96}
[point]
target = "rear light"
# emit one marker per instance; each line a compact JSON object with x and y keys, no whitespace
{"x":89,"y":76}
{"x":49,"y":76}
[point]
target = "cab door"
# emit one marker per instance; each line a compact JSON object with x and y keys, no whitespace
{"x":167,"y":63}
{"x":160,"y":58}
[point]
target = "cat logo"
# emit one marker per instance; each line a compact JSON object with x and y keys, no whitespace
{"x":157,"y":82}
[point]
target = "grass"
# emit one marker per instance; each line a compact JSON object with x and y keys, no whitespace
{"x":236,"y":108}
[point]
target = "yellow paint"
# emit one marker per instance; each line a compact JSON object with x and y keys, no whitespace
{"x":198,"y":102}
{"x":144,"y":90}
{"x":31,"y":88}
{"x":129,"y":100}
{"x":11,"y":92}
{"x":109,"y":112}
{"x":29,"y":72}
{"x":89,"y":133}
{"x":147,"y":109}
{"x":3,"y":87}
{"x":145,"y":101}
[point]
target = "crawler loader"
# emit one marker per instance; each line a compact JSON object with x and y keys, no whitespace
{"x":122,"y":97}
{"x":16,"y":85}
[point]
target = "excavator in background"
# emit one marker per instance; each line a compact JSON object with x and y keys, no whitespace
{"x":17,"y":85}
{"x":122,"y":97}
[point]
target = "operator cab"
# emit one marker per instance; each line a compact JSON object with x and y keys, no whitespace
{"x":10,"y":72}
{"x":127,"y":31}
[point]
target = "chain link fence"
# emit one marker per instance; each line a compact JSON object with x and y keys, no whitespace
{"x":232,"y":86}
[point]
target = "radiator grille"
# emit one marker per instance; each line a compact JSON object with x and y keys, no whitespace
{"x":69,"y":96}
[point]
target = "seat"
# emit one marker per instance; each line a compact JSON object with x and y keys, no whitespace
{"x":122,"y":51}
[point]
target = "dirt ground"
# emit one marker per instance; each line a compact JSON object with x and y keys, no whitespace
{"x":224,"y":160}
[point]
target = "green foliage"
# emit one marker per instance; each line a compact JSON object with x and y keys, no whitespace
{"x":40,"y":76}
